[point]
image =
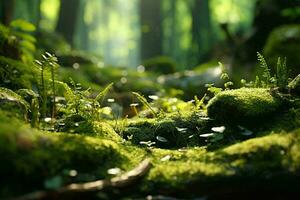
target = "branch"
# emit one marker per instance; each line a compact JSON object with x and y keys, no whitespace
{"x":78,"y":190}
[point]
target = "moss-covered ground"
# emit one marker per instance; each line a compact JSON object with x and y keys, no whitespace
{"x":188,"y":160}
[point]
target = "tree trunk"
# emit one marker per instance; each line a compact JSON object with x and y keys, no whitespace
{"x":7,"y":10}
{"x":201,"y":29}
{"x":82,"y":29}
{"x":151,"y":28}
{"x":67,"y":19}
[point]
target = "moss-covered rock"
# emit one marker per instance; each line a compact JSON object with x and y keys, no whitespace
{"x":15,"y":74}
{"x":284,"y":42}
{"x":161,"y":64}
{"x":246,"y":106}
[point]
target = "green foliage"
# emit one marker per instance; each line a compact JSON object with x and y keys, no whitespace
{"x":17,"y":42}
{"x":282,"y":74}
{"x":266,"y":71}
{"x":47,"y":65}
{"x":225,"y":77}
{"x":294,"y":86}
{"x":100,"y":97}
{"x":81,"y":109}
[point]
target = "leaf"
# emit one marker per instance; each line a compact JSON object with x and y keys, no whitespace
{"x":244,"y":131}
{"x":161,"y":139}
{"x":69,"y":94}
{"x":104,"y":92}
{"x":144,"y":101}
{"x":181,"y":130}
{"x":219,"y":129}
{"x":206,"y":135}
{"x":22,"y":25}
{"x":114,"y":171}
{"x":166,"y":158}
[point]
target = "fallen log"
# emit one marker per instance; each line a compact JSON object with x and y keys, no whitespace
{"x":84,"y":190}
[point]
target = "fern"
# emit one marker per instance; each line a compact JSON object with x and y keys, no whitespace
{"x":103,"y":93}
{"x":144,"y":101}
{"x":200,"y":103}
{"x":282,"y":74}
{"x":266,"y":70}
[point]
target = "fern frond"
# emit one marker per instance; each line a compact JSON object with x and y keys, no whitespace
{"x":69,"y":94}
{"x":103,"y":93}
{"x":282,"y":74}
{"x":200,"y":103}
{"x":266,"y":70}
{"x":144,"y":101}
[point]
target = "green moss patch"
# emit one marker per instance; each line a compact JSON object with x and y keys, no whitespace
{"x":244,"y":106}
{"x":271,"y":161}
{"x":168,"y":131}
{"x":32,"y":159}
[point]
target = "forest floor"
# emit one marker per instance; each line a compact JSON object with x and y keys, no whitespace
{"x":183,"y":155}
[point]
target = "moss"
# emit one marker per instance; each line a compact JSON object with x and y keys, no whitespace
{"x":15,"y":74}
{"x":161,"y":64}
{"x":267,"y":162}
{"x":284,"y":41}
{"x":244,"y":106}
{"x":30,"y":157}
{"x":169,"y":131}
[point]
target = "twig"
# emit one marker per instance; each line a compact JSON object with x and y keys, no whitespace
{"x":71,"y":191}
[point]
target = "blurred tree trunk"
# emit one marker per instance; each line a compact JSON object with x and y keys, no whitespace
{"x":151,"y":28}
{"x":82,"y":29}
{"x":201,"y":29}
{"x":38,"y":14}
{"x":67,"y":19}
{"x":7,"y":10}
{"x":34,"y":11}
{"x":172,"y":38}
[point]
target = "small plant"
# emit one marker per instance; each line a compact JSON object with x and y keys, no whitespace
{"x":144,"y":101}
{"x":199,"y":103}
{"x":47,"y":64}
{"x":282,"y":74}
{"x":79,"y":101}
{"x":224,"y":76}
{"x":266,"y":71}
